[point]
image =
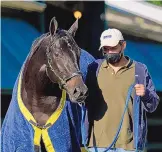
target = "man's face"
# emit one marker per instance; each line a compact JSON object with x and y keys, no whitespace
{"x":116,"y":49}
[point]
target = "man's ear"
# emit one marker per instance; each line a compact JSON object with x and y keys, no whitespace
{"x":124,"y":44}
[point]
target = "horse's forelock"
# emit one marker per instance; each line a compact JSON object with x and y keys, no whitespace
{"x":68,"y":38}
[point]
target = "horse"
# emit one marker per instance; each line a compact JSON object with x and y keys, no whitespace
{"x":45,"y":96}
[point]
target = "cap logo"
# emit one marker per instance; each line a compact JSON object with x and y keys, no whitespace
{"x":107,"y":36}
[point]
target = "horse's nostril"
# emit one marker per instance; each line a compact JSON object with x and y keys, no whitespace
{"x":86,"y":94}
{"x":75,"y":91}
{"x":81,"y":93}
{"x":78,"y":92}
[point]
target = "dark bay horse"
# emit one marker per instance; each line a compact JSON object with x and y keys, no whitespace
{"x":38,"y":108}
{"x":53,"y":64}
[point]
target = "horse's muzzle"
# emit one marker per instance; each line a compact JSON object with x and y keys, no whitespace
{"x":79,"y":94}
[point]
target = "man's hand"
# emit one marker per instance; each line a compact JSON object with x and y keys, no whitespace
{"x":140,"y":89}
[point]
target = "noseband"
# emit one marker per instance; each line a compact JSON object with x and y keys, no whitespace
{"x":64,"y":81}
{"x":61,"y":82}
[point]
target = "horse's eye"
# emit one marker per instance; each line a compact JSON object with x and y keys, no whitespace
{"x":69,"y":46}
{"x":56,"y":54}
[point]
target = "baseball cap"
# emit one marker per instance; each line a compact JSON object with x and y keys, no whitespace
{"x":110,"y":37}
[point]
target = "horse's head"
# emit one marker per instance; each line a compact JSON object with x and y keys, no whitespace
{"x":63,"y":61}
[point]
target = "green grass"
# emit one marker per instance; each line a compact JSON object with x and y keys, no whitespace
{"x":158,"y":3}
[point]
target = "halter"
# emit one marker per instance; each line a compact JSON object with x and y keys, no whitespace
{"x":61,"y":82}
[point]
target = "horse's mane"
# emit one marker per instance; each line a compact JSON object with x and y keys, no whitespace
{"x":37,"y":43}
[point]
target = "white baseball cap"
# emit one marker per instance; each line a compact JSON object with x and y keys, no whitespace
{"x":110,"y":37}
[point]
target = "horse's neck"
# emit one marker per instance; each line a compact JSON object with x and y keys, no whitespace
{"x":39,"y":94}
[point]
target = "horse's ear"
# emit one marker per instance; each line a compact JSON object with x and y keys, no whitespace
{"x":53,"y":26}
{"x":73,"y":28}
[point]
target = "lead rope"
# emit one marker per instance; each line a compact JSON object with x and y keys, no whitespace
{"x":84,"y":141}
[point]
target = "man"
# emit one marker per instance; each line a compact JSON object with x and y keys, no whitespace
{"x":117,"y":84}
